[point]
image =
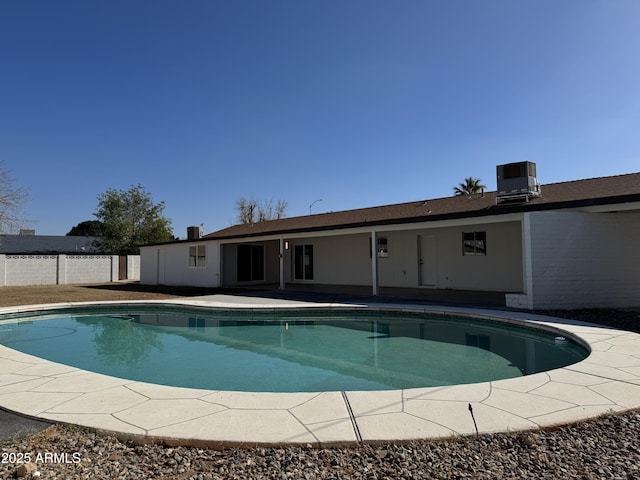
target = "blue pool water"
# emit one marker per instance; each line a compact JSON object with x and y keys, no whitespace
{"x":289,"y":351}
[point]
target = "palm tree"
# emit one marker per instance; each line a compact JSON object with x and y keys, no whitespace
{"x":469,"y":186}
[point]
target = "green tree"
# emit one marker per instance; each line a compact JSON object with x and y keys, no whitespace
{"x":88,"y":228}
{"x":123,"y":342}
{"x":12,"y":199}
{"x":130,"y":219}
{"x":469,"y":186}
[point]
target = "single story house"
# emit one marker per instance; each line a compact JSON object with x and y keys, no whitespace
{"x":30,"y":243}
{"x":561,"y":245}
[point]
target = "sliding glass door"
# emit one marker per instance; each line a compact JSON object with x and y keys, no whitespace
{"x":250,"y":263}
{"x":303,"y":262}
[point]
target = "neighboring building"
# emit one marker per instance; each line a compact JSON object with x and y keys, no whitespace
{"x":562,"y":245}
{"x":29,"y":259}
{"x":46,"y":244}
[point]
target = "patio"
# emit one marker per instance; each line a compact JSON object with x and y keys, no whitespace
{"x":608,"y":380}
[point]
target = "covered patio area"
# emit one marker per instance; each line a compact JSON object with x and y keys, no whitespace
{"x":391,"y":295}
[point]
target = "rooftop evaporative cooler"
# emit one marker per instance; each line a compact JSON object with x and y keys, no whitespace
{"x":517,"y":181}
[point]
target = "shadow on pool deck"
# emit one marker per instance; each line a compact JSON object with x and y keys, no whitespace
{"x":329,"y":293}
{"x":388,"y":295}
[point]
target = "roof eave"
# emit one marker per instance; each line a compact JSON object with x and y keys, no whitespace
{"x":499,"y":209}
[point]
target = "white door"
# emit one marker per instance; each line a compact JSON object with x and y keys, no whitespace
{"x":428,"y":261}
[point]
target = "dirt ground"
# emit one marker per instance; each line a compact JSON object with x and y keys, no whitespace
{"x":628,"y":319}
{"x":37,"y":294}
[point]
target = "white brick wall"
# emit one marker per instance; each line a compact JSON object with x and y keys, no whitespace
{"x":133,"y":267}
{"x":30,"y":269}
{"x":580,"y":259}
{"x":19,"y":270}
{"x":89,"y":268}
{"x":3,"y":269}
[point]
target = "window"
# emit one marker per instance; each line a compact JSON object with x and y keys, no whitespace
{"x":474,"y":243}
{"x":197,"y":324}
{"x":198,"y":256}
{"x":382,"y":247}
{"x":480,"y":341}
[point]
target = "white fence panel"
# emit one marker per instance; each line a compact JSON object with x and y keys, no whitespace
{"x":89,"y":268}
{"x":31,"y":270}
{"x":133,"y":267}
{"x":23,"y":270}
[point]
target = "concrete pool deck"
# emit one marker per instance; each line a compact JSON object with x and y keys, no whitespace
{"x":606,"y":381}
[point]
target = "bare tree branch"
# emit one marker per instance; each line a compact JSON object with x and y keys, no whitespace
{"x":251,"y":211}
{"x":12,"y":199}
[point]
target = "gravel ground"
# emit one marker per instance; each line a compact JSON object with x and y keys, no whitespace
{"x":608,"y":447}
{"x":604,"y":448}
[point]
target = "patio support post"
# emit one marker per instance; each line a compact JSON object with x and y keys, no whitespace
{"x":220,"y":272}
{"x":281,"y":263}
{"x":527,"y":261}
{"x":374,"y":265}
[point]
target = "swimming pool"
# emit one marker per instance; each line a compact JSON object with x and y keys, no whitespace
{"x":285,"y":350}
{"x":607,"y":380}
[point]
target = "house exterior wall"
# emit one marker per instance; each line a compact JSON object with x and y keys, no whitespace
{"x":400,"y":268}
{"x":339,"y":260}
{"x":580,"y":259}
{"x":345,"y":259}
{"x":553,"y":259}
{"x":169,"y":265}
{"x":499,"y":270}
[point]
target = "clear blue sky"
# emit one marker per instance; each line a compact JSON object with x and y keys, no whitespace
{"x":360,"y":103}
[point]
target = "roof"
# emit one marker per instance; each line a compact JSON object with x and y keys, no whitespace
{"x":48,"y":244}
{"x":573,"y":194}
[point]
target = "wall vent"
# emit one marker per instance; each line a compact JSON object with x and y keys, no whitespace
{"x":517,"y":182}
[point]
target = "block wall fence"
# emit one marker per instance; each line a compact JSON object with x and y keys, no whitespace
{"x":24,"y":270}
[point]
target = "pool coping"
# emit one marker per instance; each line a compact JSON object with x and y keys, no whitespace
{"x":606,"y":381}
